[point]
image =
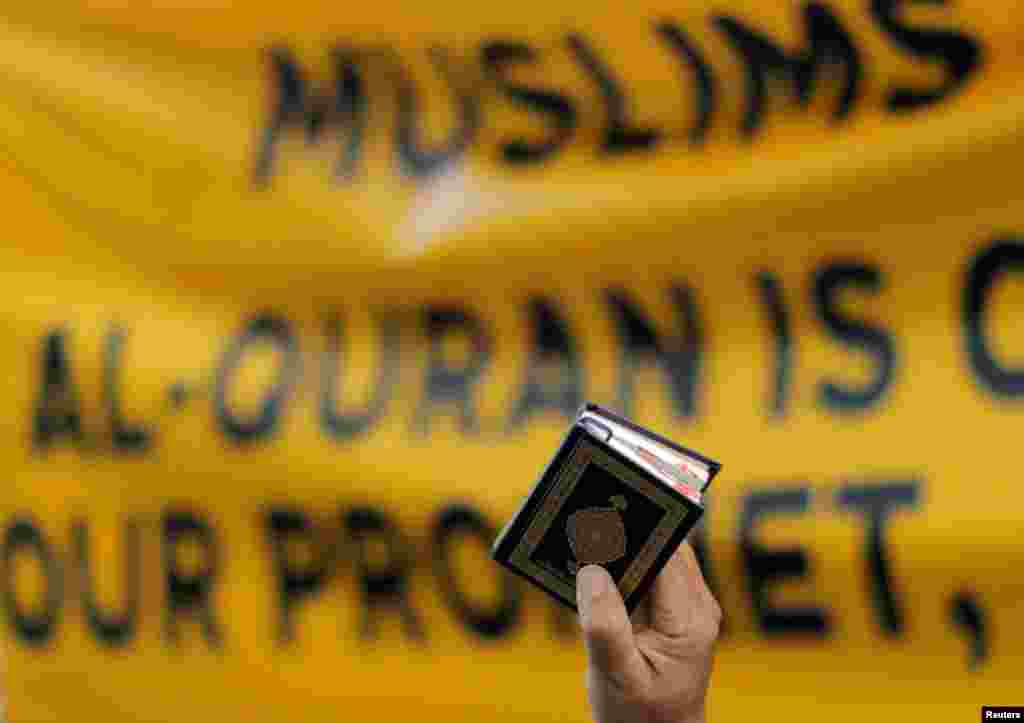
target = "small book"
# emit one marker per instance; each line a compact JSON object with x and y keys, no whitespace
{"x":616,"y":495}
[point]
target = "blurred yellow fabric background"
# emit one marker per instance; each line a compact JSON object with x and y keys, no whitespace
{"x":356,"y":305}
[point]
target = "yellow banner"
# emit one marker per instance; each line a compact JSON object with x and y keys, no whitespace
{"x":299,"y":299}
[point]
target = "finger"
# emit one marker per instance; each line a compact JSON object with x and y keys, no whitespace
{"x":679,"y":595}
{"x":641,"y":615}
{"x":607,"y":630}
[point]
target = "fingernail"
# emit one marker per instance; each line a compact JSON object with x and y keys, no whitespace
{"x":591,"y":582}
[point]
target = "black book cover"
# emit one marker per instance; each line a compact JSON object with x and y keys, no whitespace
{"x":595,"y":505}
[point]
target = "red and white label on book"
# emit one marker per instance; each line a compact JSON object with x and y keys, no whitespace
{"x":675,"y":475}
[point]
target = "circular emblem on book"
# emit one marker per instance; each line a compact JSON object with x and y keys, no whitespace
{"x":597,"y":535}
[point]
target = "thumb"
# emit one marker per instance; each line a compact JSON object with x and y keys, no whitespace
{"x":607,"y":630}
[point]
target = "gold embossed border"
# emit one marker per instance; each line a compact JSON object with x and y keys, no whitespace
{"x":586,"y":453}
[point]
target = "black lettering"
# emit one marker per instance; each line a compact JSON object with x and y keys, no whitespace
{"x":558,"y":109}
{"x":679,"y":358}
{"x":453,"y":522}
{"x":295,"y":582}
{"x":770,"y":290}
{"x":114,"y":629}
{"x":877,"y":501}
{"x":296,"y":105}
{"x":553,"y":374}
{"x":960,"y":54}
{"x":125,"y":437}
{"x":829,"y":46}
{"x":178,"y":394}
{"x":263,"y":329}
{"x":990,"y":266}
{"x":57,"y":414}
{"x":383,"y":583}
{"x":620,"y":136}
{"x":450,"y":382}
{"x":33,"y":627}
{"x":829,"y":282}
{"x":681,"y":44}
{"x":188,"y":591}
{"x":415,"y":159}
{"x":347,"y":425}
{"x":766,"y":566}
{"x":967,"y":613}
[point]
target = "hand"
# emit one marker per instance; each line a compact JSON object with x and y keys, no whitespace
{"x":657,"y":666}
